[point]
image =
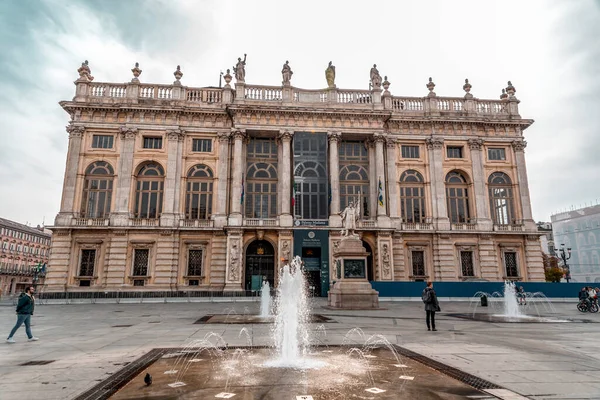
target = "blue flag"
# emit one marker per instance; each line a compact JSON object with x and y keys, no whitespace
{"x":380,"y":196}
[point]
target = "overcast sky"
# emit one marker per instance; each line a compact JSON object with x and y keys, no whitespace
{"x":550,"y":50}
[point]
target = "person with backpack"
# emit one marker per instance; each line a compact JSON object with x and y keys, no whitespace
{"x":25,"y":308}
{"x":431,"y":305}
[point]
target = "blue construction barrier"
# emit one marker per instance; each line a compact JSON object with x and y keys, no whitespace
{"x":468,"y":289}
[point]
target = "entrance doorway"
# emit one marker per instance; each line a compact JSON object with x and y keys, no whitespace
{"x":370,"y":274}
{"x":260,"y":263}
{"x":311,"y":256}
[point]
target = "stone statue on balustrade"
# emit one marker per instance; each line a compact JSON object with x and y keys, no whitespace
{"x":240,"y":69}
{"x":350,"y":217}
{"x":330,"y":75}
{"x":84,"y":72}
{"x":375,"y":77}
{"x":287,"y":73}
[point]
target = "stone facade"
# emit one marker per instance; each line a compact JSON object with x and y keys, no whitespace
{"x":22,"y":250}
{"x":169,"y":187}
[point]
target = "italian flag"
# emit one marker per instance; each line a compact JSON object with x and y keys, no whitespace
{"x":293,"y":193}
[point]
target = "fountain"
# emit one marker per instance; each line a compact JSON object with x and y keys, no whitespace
{"x":511,"y":305}
{"x":265,"y":300}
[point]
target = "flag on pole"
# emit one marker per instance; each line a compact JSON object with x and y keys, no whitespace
{"x":329,"y":195}
{"x":380,"y":196}
{"x":293,"y":193}
{"x":242,"y":196}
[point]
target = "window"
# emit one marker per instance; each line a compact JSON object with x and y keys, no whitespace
{"x":466,"y":263}
{"x":199,"y":193}
{"x":102,"y":141}
{"x":310,"y":176}
{"x":496,"y":153}
{"x":202,"y":145}
{"x":260,"y":195}
{"x":97,"y":190}
{"x":140,"y":262}
{"x":418,"y":263}
{"x":501,"y":198}
{"x":354,"y":175}
{"x":412,"y":197}
{"x":510,"y":263}
{"x":151,"y":142}
{"x":410,"y":151}
{"x":149,"y":191}
{"x":454,"y":151}
{"x":457,"y":196}
{"x":88,"y":261}
{"x":195,"y":263}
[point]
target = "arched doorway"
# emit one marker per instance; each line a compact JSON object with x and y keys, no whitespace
{"x":260,"y":262}
{"x":370,"y":274}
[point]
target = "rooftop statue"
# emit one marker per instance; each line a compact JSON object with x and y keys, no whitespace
{"x":330,"y":75}
{"x":240,"y":69}
{"x":375,"y":77}
{"x":287,"y":73}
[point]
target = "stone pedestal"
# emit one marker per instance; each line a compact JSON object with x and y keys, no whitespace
{"x":352,"y":290}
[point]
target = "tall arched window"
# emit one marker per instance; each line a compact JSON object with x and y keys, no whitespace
{"x":97,"y":190}
{"x":457,"y":195}
{"x":199,"y":193}
{"x":149,"y":191}
{"x":261,"y":178}
{"x":354,"y":175}
{"x":412,"y":197}
{"x":501,"y":198}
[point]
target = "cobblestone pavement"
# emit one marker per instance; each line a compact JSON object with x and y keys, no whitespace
{"x":88,"y":342}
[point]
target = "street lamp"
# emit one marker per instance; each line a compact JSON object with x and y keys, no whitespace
{"x":565,"y":256}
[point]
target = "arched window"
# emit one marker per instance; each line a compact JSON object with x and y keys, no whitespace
{"x":199,"y":193}
{"x":354,"y":175}
{"x":97,"y":190}
{"x":149,"y":191}
{"x":457,"y":195}
{"x":261,"y":178}
{"x":501,"y":198}
{"x":412,"y":197}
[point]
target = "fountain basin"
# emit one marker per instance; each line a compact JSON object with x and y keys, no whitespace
{"x":501,"y":318}
{"x":252,"y":319}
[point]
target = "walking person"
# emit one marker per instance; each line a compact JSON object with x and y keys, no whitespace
{"x":431,"y":305}
{"x":24,"y":312}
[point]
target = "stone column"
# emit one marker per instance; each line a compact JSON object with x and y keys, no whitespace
{"x":67,"y":207}
{"x":392,"y":156}
{"x":285,"y":188}
{"x":335,"y":220}
{"x":235,"y":261}
{"x":235,"y":217}
{"x":519,"y":148}
{"x":482,"y":210}
{"x":222,"y":177}
{"x":435,"y":146}
{"x":167,"y":217}
{"x":383,"y":220}
{"x":121,"y":214}
{"x":372,"y":180}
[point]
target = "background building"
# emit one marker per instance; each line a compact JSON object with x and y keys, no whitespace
{"x":578,"y":230}
{"x":22,"y":249}
{"x":546,"y":238}
{"x":170,"y":187}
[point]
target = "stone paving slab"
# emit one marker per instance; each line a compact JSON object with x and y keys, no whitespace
{"x":539,"y":361}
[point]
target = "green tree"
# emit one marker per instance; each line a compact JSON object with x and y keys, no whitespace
{"x":552,"y":271}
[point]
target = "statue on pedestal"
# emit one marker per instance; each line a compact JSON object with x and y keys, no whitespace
{"x":350,"y":217}
{"x":287,"y":73}
{"x":330,"y":75}
{"x":240,"y":69}
{"x":375,"y":77}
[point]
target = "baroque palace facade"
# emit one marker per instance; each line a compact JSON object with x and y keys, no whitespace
{"x":169,"y":187}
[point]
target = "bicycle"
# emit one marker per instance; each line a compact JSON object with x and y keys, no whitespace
{"x":587,"y":305}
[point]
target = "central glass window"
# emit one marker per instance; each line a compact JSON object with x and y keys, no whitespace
{"x":354,"y":175}
{"x":310,"y":176}
{"x":261,"y":178}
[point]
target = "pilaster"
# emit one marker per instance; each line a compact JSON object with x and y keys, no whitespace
{"x":435,"y":146}
{"x":235,"y":252}
{"x":482,"y":211}
{"x":174,"y":138}
{"x":383,"y":220}
{"x":385,"y":255}
{"x":222,"y":174}
{"x":372,"y":179}
{"x":519,"y":149}
{"x":286,"y":218}
{"x":392,"y":181}
{"x":67,"y":208}
{"x":237,"y":178}
{"x":121,"y":214}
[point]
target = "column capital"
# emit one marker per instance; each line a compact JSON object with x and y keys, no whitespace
{"x":127,"y":132}
{"x":379,"y":137}
{"x":334,"y":136}
{"x":370,"y":143}
{"x":475,"y":144}
{"x":238,"y":133}
{"x":519,"y":145}
{"x":285,"y":135}
{"x":75,"y":131}
{"x":176,"y":134}
{"x":391,"y":142}
{"x":434,"y":142}
{"x":223,"y":136}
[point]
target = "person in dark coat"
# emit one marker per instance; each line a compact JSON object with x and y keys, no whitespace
{"x":431,"y":305}
{"x":25,"y":308}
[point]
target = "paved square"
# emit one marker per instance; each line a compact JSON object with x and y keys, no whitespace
{"x":86,"y":343}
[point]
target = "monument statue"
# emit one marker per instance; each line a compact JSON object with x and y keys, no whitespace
{"x":350,"y":216}
{"x":375,"y":77}
{"x":287,"y":73}
{"x":330,"y":75}
{"x":240,"y":69}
